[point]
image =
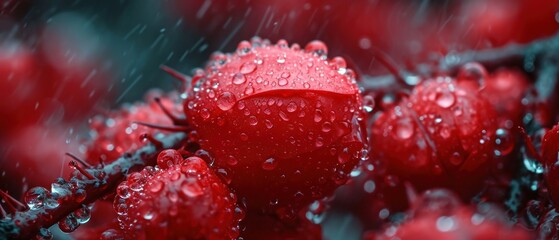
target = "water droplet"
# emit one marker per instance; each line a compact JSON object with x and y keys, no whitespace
{"x":247,"y":67}
{"x":244,"y":48}
{"x":191,"y":189}
{"x":122,"y":191}
{"x":244,"y":137}
{"x":82,"y":215}
{"x":156,"y":186}
{"x":281,"y":59}
{"x":368,"y":103}
{"x":445,"y":99}
{"x":326,"y":127}
{"x":226,"y":101}
{"x":318,"y":116}
{"x":68,"y":224}
{"x":249,"y":90}
{"x":35,"y":197}
{"x":446,"y":224}
{"x":404,"y":129}
{"x":306,"y":85}
{"x":231,"y":160}
{"x":456,"y":159}
{"x":269,"y":164}
{"x":319,"y":142}
{"x":268,"y":123}
{"x":292,"y":107}
{"x":238,"y":79}
{"x":44,"y":234}
{"x":472,"y":72}
{"x":282,"y":43}
{"x":283,"y":116}
{"x":317,"y":48}
{"x":369,"y":186}
{"x":282,"y":82}
{"x":504,"y":142}
{"x":252,"y":120}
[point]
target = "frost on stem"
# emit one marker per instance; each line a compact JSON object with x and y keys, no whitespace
{"x":68,"y":197}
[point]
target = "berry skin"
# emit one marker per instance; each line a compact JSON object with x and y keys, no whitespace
{"x":442,"y":136}
{"x":119,"y":133}
{"x":550,"y":157}
{"x":285,"y":124}
{"x":178,"y":199}
{"x":438,"y":214}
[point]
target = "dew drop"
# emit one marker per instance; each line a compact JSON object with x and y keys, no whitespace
{"x":445,"y":99}
{"x":44,"y":234}
{"x":317,"y":116}
{"x":122,"y":191}
{"x":282,"y":81}
{"x":306,"y":85}
{"x":156,"y":186}
{"x":317,"y":48}
{"x":344,"y":156}
{"x":82,"y":215}
{"x":244,"y":48}
{"x":239,"y":79}
{"x":292,"y":107}
{"x":68,"y":224}
{"x":252,"y":120}
{"x":247,"y":67}
{"x":35,"y":197}
{"x":269,"y":164}
{"x":404,"y":129}
{"x":191,"y":189}
{"x":226,"y":101}
{"x":268,"y":123}
{"x":456,"y":159}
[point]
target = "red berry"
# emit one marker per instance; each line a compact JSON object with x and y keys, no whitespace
{"x":120,"y":133}
{"x":443,"y":135}
{"x":182,"y":199}
{"x":438,"y":214}
{"x":266,"y":227}
{"x":550,"y":157}
{"x":284,"y":123}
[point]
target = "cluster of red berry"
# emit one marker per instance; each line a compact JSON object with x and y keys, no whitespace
{"x":268,"y":142}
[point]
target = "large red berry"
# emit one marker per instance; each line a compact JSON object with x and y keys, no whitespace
{"x":442,"y":135}
{"x":119,"y":132}
{"x":438,"y":214}
{"x":178,"y":199}
{"x":284,"y":123}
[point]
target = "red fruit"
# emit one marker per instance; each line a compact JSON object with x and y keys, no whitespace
{"x":550,"y":158}
{"x":438,"y":215}
{"x":284,"y":123}
{"x":267,"y":227}
{"x":119,"y":132}
{"x":443,"y":135}
{"x":181,"y":199}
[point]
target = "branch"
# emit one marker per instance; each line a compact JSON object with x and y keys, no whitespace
{"x":27,"y":224}
{"x":546,"y":50}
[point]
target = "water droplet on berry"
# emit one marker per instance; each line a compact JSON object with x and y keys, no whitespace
{"x":326,"y":127}
{"x":282,"y":81}
{"x":191,"y":189}
{"x":445,"y":99}
{"x":244,"y":48}
{"x":232,"y":160}
{"x":269,"y":164}
{"x":156,"y":186}
{"x":252,"y":120}
{"x":239,"y":79}
{"x":122,"y":191}
{"x":292,"y":107}
{"x":247,"y":67}
{"x":44,"y":234}
{"x":226,"y":101}
{"x":281,"y":59}
{"x":404,"y":129}
{"x":268,"y":123}
{"x":456,"y":159}
{"x":472,"y":73}
{"x":317,"y":48}
{"x":306,"y":85}
{"x":317,"y":116}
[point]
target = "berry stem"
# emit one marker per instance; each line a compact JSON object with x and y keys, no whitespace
{"x":523,"y":55}
{"x":26,"y":224}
